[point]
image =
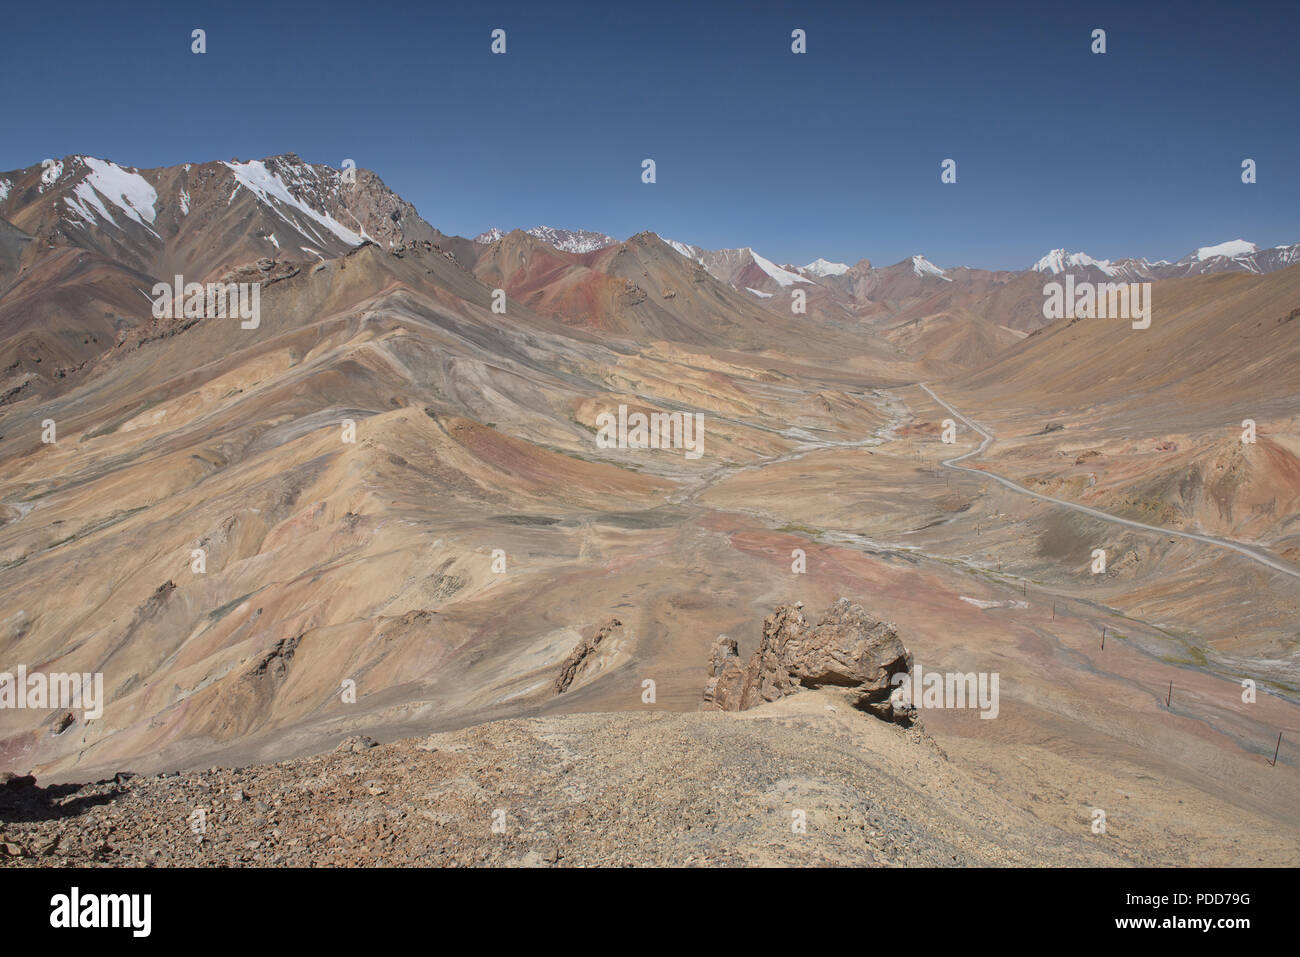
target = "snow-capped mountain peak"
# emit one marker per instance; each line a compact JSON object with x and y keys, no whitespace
{"x":822,"y":267}
{"x":1232,"y":249}
{"x":923,"y":267}
{"x":572,"y":240}
{"x":1058,"y":260}
{"x":565,"y":240}
{"x":212,"y":215}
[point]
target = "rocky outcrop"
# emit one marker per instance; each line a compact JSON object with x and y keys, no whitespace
{"x":846,"y":648}
{"x":582,"y":651}
{"x":726,"y":676}
{"x":275,"y":661}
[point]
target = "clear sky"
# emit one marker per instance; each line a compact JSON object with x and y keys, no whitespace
{"x":833,"y":153}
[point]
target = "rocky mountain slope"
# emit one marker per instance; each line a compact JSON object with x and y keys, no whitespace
{"x":1220,"y":350}
{"x":201,"y":219}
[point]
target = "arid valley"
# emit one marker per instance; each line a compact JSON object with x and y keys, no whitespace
{"x":363,"y":572}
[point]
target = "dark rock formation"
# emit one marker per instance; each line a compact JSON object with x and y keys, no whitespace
{"x":581,"y":652}
{"x":847,"y":648}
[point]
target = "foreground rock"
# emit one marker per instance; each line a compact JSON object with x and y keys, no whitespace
{"x":846,"y":648}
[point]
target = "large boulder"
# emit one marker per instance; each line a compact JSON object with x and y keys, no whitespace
{"x":848,"y":648}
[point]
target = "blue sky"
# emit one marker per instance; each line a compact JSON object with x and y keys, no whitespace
{"x":833,"y":153}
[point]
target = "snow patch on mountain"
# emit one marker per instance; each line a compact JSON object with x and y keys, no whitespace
{"x":923,"y":267}
{"x":822,"y":267}
{"x":5,"y":186}
{"x":128,"y":192}
{"x":1231,"y":250}
{"x":782,"y":276}
{"x":271,"y":189}
{"x":690,"y":252}
{"x":760,"y":293}
{"x":54,"y":171}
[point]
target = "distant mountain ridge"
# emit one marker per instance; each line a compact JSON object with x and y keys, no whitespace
{"x":847,"y":287}
{"x":566,"y":240}
{"x":1237,"y":255}
{"x":738,"y":266}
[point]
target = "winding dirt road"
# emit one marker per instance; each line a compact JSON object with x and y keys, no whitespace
{"x":1254,"y":554}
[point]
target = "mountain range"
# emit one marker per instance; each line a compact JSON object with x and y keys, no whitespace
{"x":745,"y":268}
{"x":206,"y":218}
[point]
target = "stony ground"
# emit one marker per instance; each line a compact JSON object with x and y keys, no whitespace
{"x":593,"y":789}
